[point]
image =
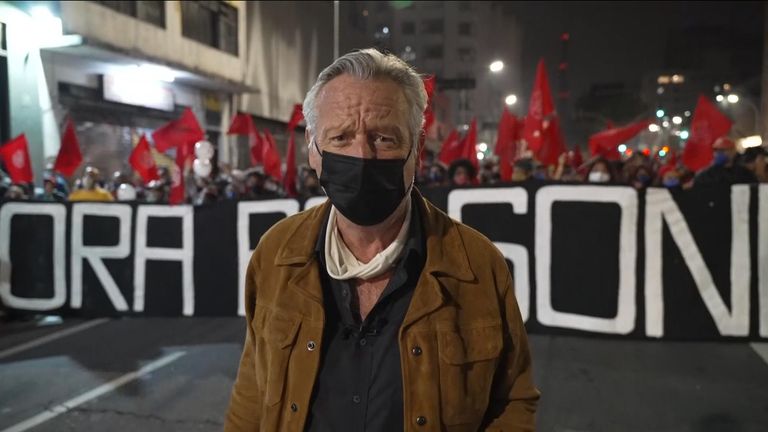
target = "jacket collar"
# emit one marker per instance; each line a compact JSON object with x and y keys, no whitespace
{"x":446,"y":254}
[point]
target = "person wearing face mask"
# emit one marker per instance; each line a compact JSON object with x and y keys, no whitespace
{"x":669,"y":177}
{"x":376,"y":311}
{"x":724,"y":170}
{"x":600,"y":172}
{"x":641,"y":178}
{"x":90,"y":189}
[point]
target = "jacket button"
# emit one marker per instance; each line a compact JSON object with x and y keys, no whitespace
{"x":311,"y":345}
{"x":294,"y":407}
{"x":421,"y":420}
{"x":416,"y":350}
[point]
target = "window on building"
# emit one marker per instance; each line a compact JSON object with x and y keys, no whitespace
{"x":466,"y":54}
{"x":212,"y":23}
{"x":152,"y":12}
{"x":432,"y":26}
{"x":408,"y":27}
{"x":433,"y":52}
{"x":465,"y":28}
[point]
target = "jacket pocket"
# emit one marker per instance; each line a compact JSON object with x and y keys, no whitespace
{"x":276,"y":334}
{"x":468,"y":359}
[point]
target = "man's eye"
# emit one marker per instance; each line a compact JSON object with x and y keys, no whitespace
{"x":380,"y":139}
{"x":337,"y":138}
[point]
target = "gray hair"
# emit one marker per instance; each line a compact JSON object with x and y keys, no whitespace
{"x":370,"y":64}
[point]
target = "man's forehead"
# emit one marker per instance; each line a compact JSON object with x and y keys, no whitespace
{"x":349,"y":93}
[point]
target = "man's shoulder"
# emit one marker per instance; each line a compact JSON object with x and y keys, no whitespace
{"x":297,"y":227}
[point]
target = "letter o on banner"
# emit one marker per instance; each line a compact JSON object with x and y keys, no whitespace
{"x":59,"y":214}
{"x":624,"y":197}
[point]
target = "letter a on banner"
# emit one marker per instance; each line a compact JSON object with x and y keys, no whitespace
{"x":661,"y":207}
{"x":144,"y":253}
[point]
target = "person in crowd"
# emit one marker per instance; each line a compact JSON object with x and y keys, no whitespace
{"x":540,"y":172}
{"x":309,"y":185}
{"x":376,"y":309}
{"x":489,"y":172}
{"x":522,"y":170}
{"x":600,"y":172}
{"x":50,"y":192}
{"x":462,"y":173}
{"x":755,"y":160}
{"x":437,"y":176}
{"x":208,"y":192}
{"x":641,"y":178}
{"x":724,"y":169}
{"x":125,"y":192}
{"x":669,"y":177}
{"x":90,"y":190}
{"x":155,"y":192}
{"x":16,"y":192}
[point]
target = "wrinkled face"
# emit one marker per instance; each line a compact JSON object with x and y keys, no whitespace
{"x":365,"y":119}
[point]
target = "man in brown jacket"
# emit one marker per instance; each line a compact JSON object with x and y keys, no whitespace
{"x":376,"y":311}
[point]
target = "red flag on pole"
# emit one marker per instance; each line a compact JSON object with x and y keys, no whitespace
{"x":469,"y":144}
{"x":183,"y":130}
{"x":708,"y":124}
{"x":270,"y":156}
{"x":451,"y":148}
{"x":142,"y":161}
{"x":69,"y":157}
{"x":15,"y":154}
{"x":257,"y":148}
{"x":606,"y":143}
{"x":540,"y":107}
{"x":506,"y":144}
{"x":289,"y":181}
{"x":242,"y":124}
{"x":552,"y":144}
{"x":184,"y":154}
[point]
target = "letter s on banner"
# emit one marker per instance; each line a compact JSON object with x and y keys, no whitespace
{"x":517,"y":254}
{"x":59,"y":214}
{"x":245,"y":209}
{"x":626,"y":198}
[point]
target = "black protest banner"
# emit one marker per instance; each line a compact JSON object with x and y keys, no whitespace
{"x":597,"y":259}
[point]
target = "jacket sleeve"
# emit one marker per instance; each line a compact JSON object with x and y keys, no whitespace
{"x":246,"y":399}
{"x":514,"y":397}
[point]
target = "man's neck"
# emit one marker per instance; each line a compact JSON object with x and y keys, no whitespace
{"x":365,"y":242}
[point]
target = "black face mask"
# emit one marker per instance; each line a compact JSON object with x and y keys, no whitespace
{"x":365,"y":191}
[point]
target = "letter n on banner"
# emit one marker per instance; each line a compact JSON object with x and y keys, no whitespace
{"x":96,"y":254}
{"x":245,"y":209}
{"x":144,"y":253}
{"x":517,"y":254}
{"x":626,"y":198}
{"x":660,"y":206}
{"x":59,"y":214}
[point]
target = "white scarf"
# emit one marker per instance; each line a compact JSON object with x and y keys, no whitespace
{"x":342,"y":264}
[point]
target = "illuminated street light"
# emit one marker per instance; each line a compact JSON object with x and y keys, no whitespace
{"x":622,"y":148}
{"x":496,"y":66}
{"x":732,"y":98}
{"x":480,"y":155}
{"x":677,"y":120}
{"x":665,"y":124}
{"x":684,"y":135}
{"x":660,"y":113}
{"x":510,"y":99}
{"x":719,"y":98}
{"x":687,"y":113}
{"x":653,"y":128}
{"x":385,"y":30}
{"x":482,"y":147}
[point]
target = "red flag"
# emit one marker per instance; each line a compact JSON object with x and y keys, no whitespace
{"x":15,"y":154}
{"x":552,"y":144}
{"x":256,"y":147}
{"x":672,"y":158}
{"x":575,"y":157}
{"x":539,"y":108}
{"x":183,"y":130}
{"x":708,"y":124}
{"x":506,"y":144}
{"x":451,"y":148}
{"x":142,"y":161}
{"x":69,"y":157}
{"x":296,"y":116}
{"x":184,"y":153}
{"x":606,"y":143}
{"x":469,"y":144}
{"x":289,"y":181}
{"x":270,"y":156}
{"x":242,"y":124}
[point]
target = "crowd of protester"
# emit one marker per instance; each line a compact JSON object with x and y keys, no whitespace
{"x":638,"y":170}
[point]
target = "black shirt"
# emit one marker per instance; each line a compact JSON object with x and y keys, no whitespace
{"x":359,"y":386}
{"x":717,"y":175}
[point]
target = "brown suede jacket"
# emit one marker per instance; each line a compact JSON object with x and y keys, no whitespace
{"x":463,"y":348}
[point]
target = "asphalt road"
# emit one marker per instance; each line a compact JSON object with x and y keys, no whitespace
{"x":175,"y":374}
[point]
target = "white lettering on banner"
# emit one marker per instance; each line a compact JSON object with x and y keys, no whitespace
{"x":245,"y":209}
{"x":762,"y":258}
{"x":59,"y":214}
{"x":517,"y":254}
{"x":185,"y":254}
{"x":96,"y":254}
{"x":624,"y":197}
{"x":661,"y":207}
